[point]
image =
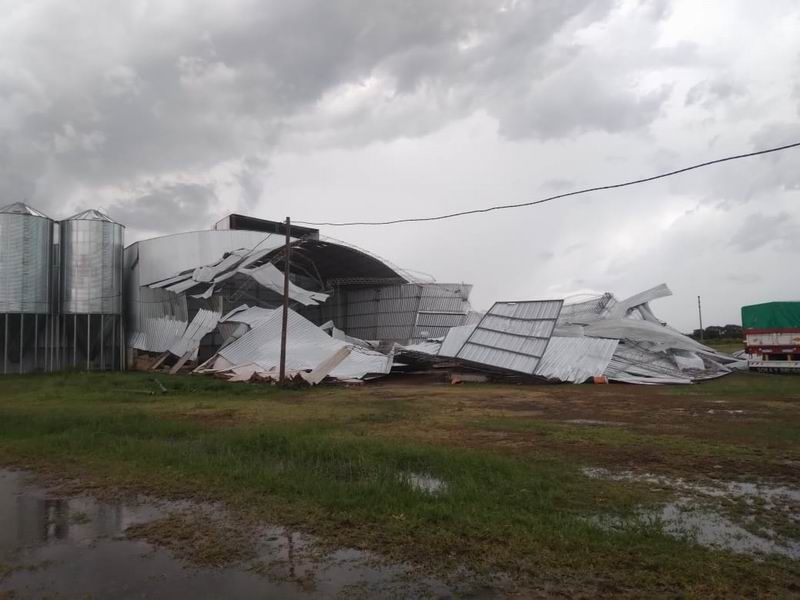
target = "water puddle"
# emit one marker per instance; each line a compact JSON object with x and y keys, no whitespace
{"x":699,"y":513}
{"x":683,"y":519}
{"x":770,"y":495}
{"x":422,"y":482}
{"x":138,"y":547}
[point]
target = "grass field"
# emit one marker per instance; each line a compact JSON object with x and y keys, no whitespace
{"x":728,"y":345}
{"x":518,"y":468}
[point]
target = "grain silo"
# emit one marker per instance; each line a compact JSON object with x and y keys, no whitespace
{"x":91,"y":291}
{"x":27,"y":320}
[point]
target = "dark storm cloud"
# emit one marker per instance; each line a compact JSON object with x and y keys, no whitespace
{"x":189,"y":205}
{"x":110,"y":94}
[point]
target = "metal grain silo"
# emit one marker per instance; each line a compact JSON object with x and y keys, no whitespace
{"x":26,"y":303}
{"x":91,"y":290}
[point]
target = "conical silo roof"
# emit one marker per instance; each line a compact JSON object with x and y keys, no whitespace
{"x":93,"y":215}
{"x":20,"y":208}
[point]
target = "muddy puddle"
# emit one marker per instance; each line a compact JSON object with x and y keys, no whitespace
{"x":742,"y":517}
{"x":138,"y":547}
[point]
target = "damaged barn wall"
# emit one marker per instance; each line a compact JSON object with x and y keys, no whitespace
{"x":154,"y":315}
{"x":402,"y":314}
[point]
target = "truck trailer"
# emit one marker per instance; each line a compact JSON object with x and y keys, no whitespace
{"x":772,"y":336}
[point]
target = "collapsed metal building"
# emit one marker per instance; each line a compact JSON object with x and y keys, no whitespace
{"x":181,"y":286}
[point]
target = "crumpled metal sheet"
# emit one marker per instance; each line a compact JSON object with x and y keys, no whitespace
{"x":637,"y":330}
{"x":307,"y":348}
{"x":204,"y":322}
{"x":250,"y":315}
{"x":158,"y":334}
{"x":268,"y":276}
{"x":206,"y":277}
{"x":600,"y":335}
{"x":161,"y":318}
{"x":649,"y":351}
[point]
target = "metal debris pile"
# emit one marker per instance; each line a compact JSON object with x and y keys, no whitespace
{"x":615,"y":340}
{"x":252,"y":350}
{"x":596,"y":338}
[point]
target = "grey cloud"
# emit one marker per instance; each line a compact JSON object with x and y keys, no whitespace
{"x":745,"y":278}
{"x":711,"y":94}
{"x":161,"y":208}
{"x":161,"y":98}
{"x":760,"y":230}
{"x":576,"y":103}
{"x":251,"y":177}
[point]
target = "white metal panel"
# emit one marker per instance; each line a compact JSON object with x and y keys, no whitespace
{"x":575,"y":359}
{"x":512,"y":335}
{"x":455,"y":339}
{"x":307,"y":347}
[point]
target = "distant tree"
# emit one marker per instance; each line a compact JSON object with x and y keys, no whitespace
{"x":732,"y":331}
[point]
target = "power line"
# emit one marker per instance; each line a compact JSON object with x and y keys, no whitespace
{"x":556,"y":197}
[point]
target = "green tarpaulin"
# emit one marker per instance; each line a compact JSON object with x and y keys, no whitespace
{"x":771,"y":315}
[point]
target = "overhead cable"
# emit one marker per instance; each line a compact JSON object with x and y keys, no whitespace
{"x":551,"y":198}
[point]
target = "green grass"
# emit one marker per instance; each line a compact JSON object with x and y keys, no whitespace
{"x":325,"y":461}
{"x":745,"y":385}
{"x":598,"y":436}
{"x":729,"y":345}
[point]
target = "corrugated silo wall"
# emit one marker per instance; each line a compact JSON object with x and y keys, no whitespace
{"x":26,"y":308}
{"x":91,"y":293}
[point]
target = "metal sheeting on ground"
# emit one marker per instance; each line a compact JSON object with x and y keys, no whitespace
{"x":575,"y":359}
{"x":307,"y":348}
{"x":512,"y":336}
{"x":599,"y":335}
{"x":649,"y":350}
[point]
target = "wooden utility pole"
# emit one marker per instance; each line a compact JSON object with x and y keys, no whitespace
{"x":284,"y":326}
{"x":700,"y":314}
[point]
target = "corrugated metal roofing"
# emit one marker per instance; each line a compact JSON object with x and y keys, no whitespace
{"x":512,"y":335}
{"x":204,"y":322}
{"x":455,"y":339}
{"x":575,"y":359}
{"x":307,"y":347}
{"x":251,"y":315}
{"x":270,"y":277}
{"x":157,"y":334}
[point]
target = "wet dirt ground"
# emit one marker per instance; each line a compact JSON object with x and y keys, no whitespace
{"x":56,"y":546}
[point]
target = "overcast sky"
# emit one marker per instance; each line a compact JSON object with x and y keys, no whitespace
{"x":169,"y":114}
